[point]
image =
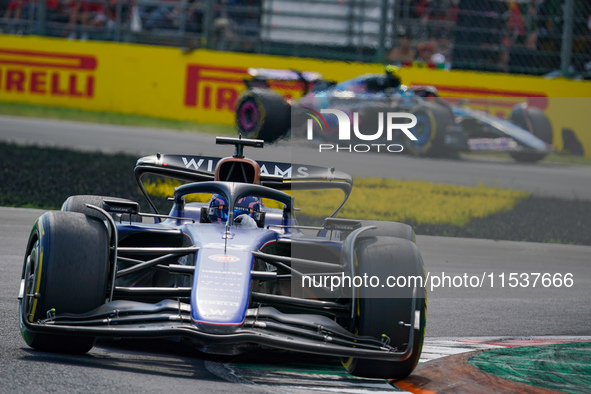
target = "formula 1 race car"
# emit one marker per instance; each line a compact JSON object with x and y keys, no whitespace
{"x":229,"y":274}
{"x":441,"y":128}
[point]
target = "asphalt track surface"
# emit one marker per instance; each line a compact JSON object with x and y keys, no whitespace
{"x":462,"y":312}
{"x":162,"y":366}
{"x":542,"y":179}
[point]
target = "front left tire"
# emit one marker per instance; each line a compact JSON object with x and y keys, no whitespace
{"x":262,"y":114}
{"x":65,"y":271}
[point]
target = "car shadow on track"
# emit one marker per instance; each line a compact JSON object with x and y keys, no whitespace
{"x":171,"y":359}
{"x":167,"y":348}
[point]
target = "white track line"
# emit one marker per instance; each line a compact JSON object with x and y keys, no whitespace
{"x":435,"y":348}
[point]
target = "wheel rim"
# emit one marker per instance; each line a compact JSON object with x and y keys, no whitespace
{"x":422,"y":130}
{"x":31,"y":285}
{"x":248,"y":116}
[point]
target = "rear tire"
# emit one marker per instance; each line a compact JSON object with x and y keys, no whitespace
{"x":378,"y":315}
{"x":432,"y":123}
{"x":536,"y":122}
{"x":388,"y":229}
{"x":262,"y":114}
{"x":66,"y":264}
{"x":78,"y":204}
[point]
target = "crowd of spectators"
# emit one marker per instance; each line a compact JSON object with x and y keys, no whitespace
{"x":433,"y":53}
{"x":75,"y":18}
{"x":233,"y":20}
{"x":492,"y":35}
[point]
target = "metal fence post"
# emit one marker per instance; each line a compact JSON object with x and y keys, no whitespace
{"x":360,"y":22}
{"x":118,"y":21}
{"x":381,"y":53}
{"x":350,"y":22}
{"x":567,"y":38}
{"x":208,"y":22}
{"x":42,"y":16}
{"x":183,"y":22}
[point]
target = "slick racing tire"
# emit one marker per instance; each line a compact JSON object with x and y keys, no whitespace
{"x":378,"y":316}
{"x":65,"y":271}
{"x":78,"y":204}
{"x":386,"y":229}
{"x":370,"y":119}
{"x":262,"y":114}
{"x":432,"y":122}
{"x":536,"y":122}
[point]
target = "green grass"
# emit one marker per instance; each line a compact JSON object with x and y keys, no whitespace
{"x":419,"y":202}
{"x":44,"y":177}
{"x":80,"y":115}
{"x":562,"y":367}
{"x":372,"y":199}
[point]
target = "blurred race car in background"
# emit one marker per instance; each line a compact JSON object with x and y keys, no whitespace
{"x":441,"y":128}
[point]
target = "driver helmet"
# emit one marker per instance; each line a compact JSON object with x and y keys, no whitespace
{"x":392,"y":76}
{"x":218,"y":208}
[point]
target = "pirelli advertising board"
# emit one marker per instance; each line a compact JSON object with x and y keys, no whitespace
{"x":203,"y":85}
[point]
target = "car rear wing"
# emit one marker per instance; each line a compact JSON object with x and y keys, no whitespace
{"x":262,"y":78}
{"x":275,"y":175}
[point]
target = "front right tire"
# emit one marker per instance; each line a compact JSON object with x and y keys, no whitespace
{"x":536,"y":122}
{"x":379,"y":311}
{"x":388,"y":229}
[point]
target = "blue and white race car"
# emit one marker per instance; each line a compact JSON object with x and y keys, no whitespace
{"x":440,"y":129}
{"x":228,"y":274}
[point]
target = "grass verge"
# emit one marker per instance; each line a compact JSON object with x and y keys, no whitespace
{"x":80,"y":115}
{"x":419,"y":202}
{"x":44,"y":177}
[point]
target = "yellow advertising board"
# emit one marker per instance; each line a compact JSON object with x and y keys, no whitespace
{"x":203,"y":85}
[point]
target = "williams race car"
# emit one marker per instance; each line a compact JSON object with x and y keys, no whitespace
{"x":441,"y":128}
{"x":229,"y":274}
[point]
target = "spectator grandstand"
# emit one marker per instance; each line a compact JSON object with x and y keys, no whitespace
{"x":539,"y":37}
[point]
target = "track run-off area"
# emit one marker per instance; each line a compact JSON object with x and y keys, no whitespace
{"x":541,"y":179}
